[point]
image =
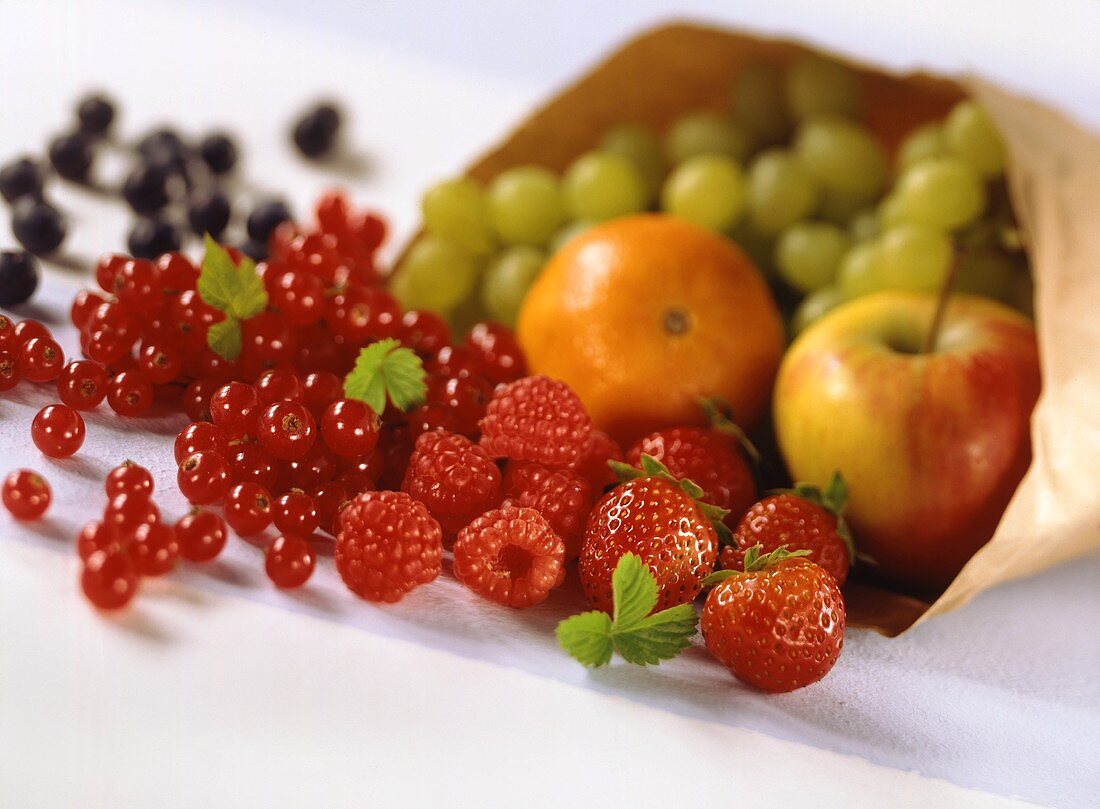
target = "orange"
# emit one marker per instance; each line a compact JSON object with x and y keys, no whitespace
{"x":645,"y":314}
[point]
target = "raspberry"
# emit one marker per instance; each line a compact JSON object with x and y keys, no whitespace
{"x":536,"y":419}
{"x":387,"y":544}
{"x":453,"y":477}
{"x":511,"y":556}
{"x":561,"y":497}
{"x":707,"y":458}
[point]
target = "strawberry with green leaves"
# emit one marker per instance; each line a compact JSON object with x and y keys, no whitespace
{"x":661,"y":520}
{"x":633,"y":629}
{"x":802,"y":518}
{"x":778,"y":624}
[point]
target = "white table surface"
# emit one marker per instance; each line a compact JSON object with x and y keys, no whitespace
{"x":206,"y":696}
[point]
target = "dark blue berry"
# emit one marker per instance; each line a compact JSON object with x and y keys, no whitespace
{"x":71,"y":156}
{"x":37,"y":225}
{"x":166,"y":150}
{"x":208,"y":212}
{"x":96,"y":113}
{"x":18,"y":277}
{"x":21,"y":178}
{"x":151,"y":237}
{"x":146,"y":189}
{"x":315,"y":132}
{"x":265,"y":218}
{"x":219,"y":152}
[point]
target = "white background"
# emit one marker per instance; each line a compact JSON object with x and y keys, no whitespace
{"x":204,"y":697}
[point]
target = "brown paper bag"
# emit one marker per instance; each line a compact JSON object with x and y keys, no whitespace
{"x":1054,"y":179}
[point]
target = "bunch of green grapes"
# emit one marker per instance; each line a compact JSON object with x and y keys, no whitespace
{"x":787,"y":171}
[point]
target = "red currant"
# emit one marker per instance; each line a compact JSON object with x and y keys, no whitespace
{"x":127,"y":510}
{"x":432,"y":416}
{"x":26,"y":494}
{"x":9,"y":371}
{"x":328,"y":499}
{"x":355,"y":482}
{"x":199,"y":436}
{"x":360,"y":314}
{"x":82,"y":384}
{"x":248,"y":463}
{"x":129,"y":477}
{"x":115,"y":320}
{"x":96,"y":536}
{"x":318,"y":352}
{"x":107,"y":268}
{"x":138,"y":285}
{"x":350,"y":428}
{"x":465,"y":395}
{"x":299,"y":296}
{"x":85,"y":302}
{"x":57,"y":431}
{"x":201,"y":535}
{"x":109,"y":579}
{"x":286,"y":430}
{"x":104,"y":346}
{"x":203,"y":477}
{"x":424,"y":332}
{"x":7,"y":333}
{"x":196,"y":398}
{"x":26,"y":330}
{"x":248,"y":508}
{"x":41,"y":359}
{"x":278,"y":385}
{"x":456,"y":360}
{"x":267,"y":342}
{"x":319,"y":390}
{"x":234,"y":408}
{"x":159,"y":364}
{"x":295,"y":513}
{"x":316,"y":467}
{"x":193,"y":317}
{"x":501,"y":356}
{"x":289,"y":562}
{"x":177,"y":273}
{"x":129,"y":394}
{"x":154,"y":548}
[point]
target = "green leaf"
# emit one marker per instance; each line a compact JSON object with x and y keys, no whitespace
{"x":386,"y":369}
{"x":236,"y":290}
{"x":224,"y":338}
{"x":716,"y":408}
{"x":639,"y":637}
{"x":634,"y":591}
{"x":587,"y":637}
{"x":652,"y":468}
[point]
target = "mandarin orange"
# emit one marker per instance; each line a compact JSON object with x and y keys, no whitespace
{"x":644,"y":315}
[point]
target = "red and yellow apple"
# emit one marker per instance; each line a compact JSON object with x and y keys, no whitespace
{"x":932,"y":445}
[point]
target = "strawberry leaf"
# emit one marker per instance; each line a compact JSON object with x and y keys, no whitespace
{"x":636,"y":635}
{"x":716,"y":409}
{"x":755,"y":561}
{"x":387,"y":370}
{"x":224,"y":338}
{"x":251,"y":296}
{"x":238,"y":291}
{"x":833,"y":499}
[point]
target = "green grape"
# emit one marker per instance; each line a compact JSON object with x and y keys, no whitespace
{"x":816,"y":86}
{"x":706,"y":133}
{"x":780,"y":191}
{"x":456,"y":210}
{"x":507,"y":279}
{"x":808,"y":254}
{"x":435,"y":274}
{"x":839,"y":207}
{"x":842,"y":155}
{"x":864,"y":225}
{"x":708,"y":190}
{"x":920,"y":144}
{"x":815,"y":305}
{"x":890,"y":212}
{"x":858,"y":273}
{"x":986,"y":272}
{"x":526,"y":205}
{"x":941,"y":192}
{"x":971,"y":134}
{"x":566,"y":234}
{"x":639,"y":145}
{"x":914,"y":257}
{"x":758,"y":102}
{"x":601,"y":185}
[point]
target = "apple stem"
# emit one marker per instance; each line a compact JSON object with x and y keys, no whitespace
{"x":933,"y":335}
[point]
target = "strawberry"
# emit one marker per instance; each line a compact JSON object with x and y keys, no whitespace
{"x":659,"y":519}
{"x":804,"y":518}
{"x":777,"y":625}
